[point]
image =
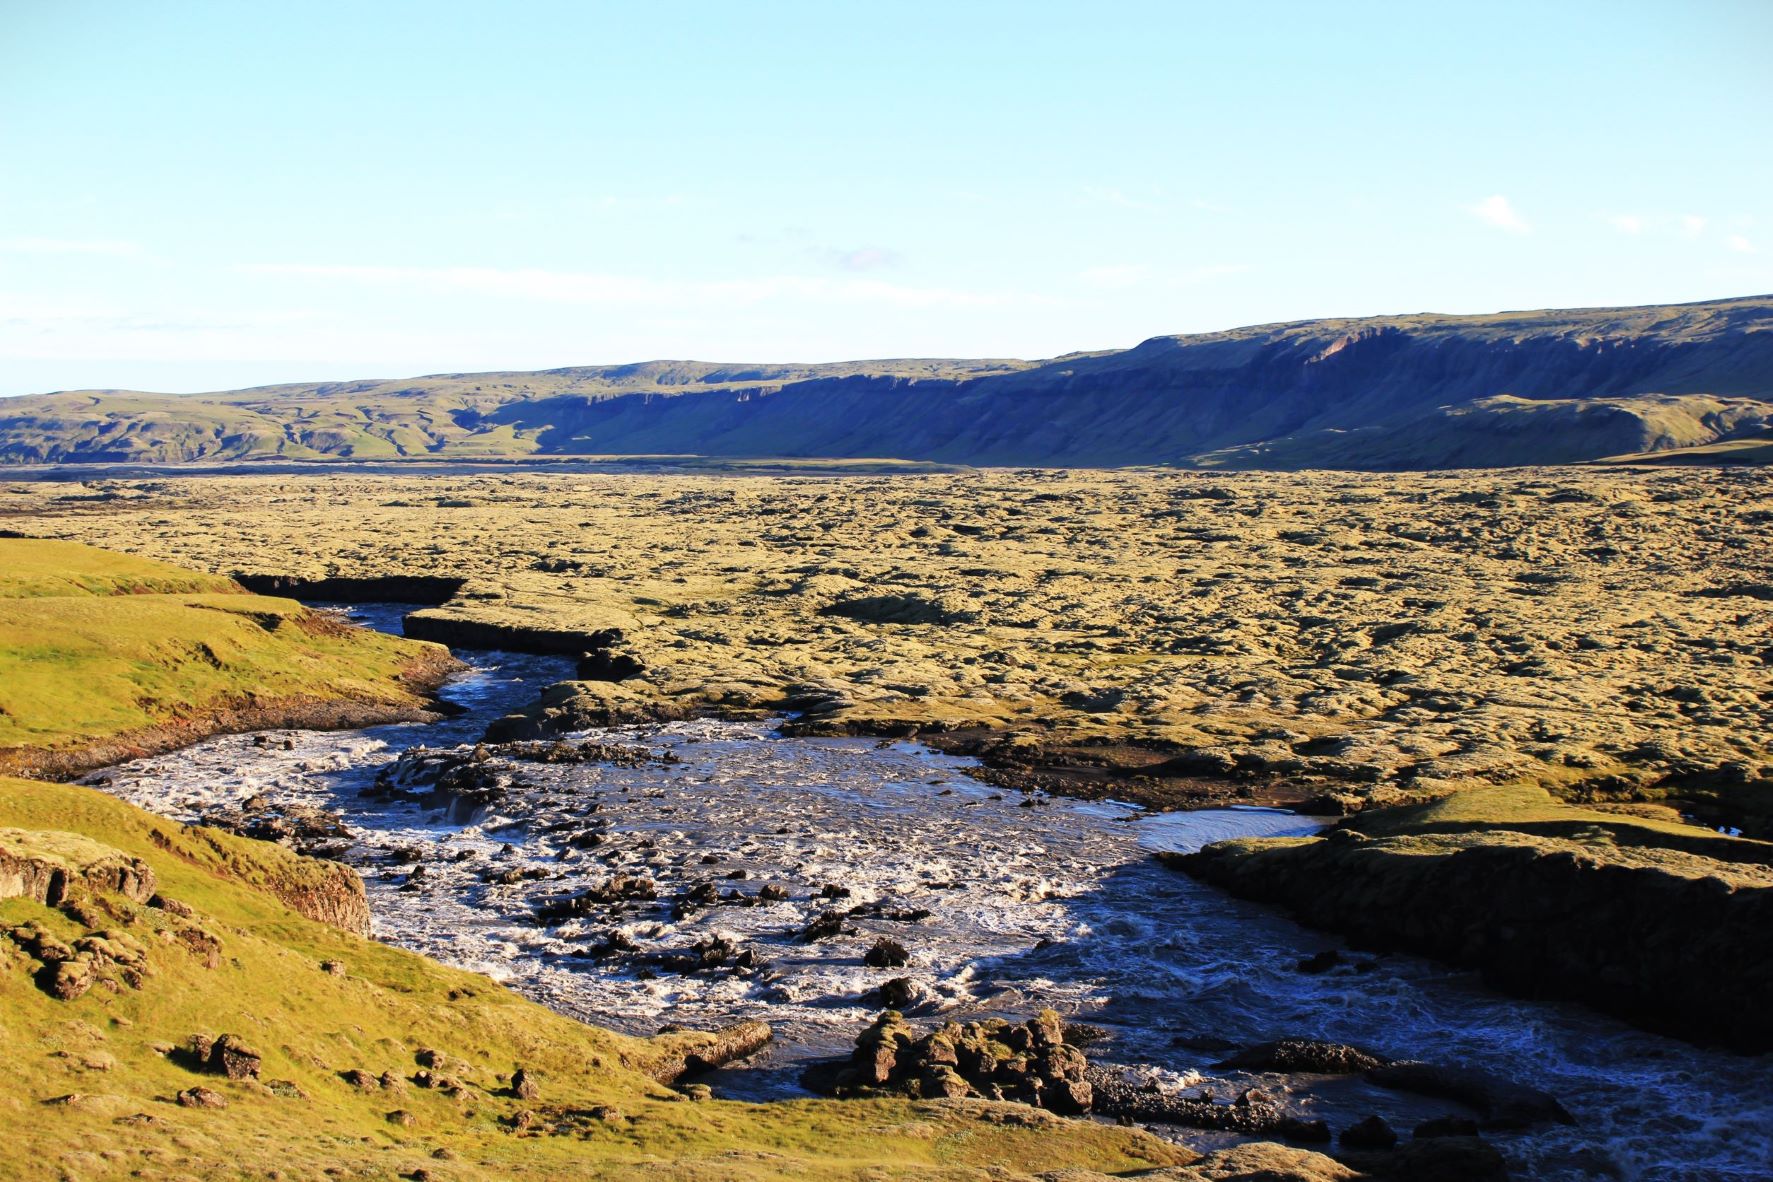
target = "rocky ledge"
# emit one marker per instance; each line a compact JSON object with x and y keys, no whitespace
{"x":1671,"y":941}
{"x":46,"y":867}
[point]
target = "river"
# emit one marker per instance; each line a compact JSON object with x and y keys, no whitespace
{"x":1004,"y":906}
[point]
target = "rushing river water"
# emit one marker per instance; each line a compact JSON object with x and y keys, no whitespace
{"x":1004,"y":906}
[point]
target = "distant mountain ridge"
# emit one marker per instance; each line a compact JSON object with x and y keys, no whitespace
{"x":1381,"y":393}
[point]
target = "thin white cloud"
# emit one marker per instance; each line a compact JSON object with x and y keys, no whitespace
{"x":862,"y":258}
{"x":35,"y":245}
{"x":1627,"y":223}
{"x":1741,"y":245}
{"x":574,"y":287}
{"x":1692,"y":225}
{"x":1497,"y":211}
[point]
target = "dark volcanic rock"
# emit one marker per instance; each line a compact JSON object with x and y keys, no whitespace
{"x":233,"y":1058}
{"x":895,"y":994}
{"x":1371,"y":1133}
{"x":468,"y":780}
{"x":1675,"y":952}
{"x":201,"y":1098}
{"x":1028,"y":1062}
{"x":1251,"y":1112}
{"x":886,"y":954}
{"x":824,"y":926}
{"x":1440,"y":1159}
{"x":1303,"y":1055}
{"x":726,"y":1045}
{"x":1502,"y":1103}
{"x":431,"y":589}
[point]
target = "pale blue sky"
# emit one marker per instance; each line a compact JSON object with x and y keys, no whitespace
{"x":202,"y":195}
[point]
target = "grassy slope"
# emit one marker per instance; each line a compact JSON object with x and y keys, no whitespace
{"x":94,"y":644}
{"x":309,"y":1025}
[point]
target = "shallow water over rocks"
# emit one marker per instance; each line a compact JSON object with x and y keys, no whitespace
{"x":1002,"y":904}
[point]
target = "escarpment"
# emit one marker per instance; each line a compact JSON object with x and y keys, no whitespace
{"x":1671,"y":941}
{"x":1378,"y":393}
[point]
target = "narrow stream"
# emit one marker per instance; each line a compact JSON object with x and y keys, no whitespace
{"x":1003,"y":906}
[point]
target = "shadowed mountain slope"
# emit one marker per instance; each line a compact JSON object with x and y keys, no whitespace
{"x":1391,"y":392}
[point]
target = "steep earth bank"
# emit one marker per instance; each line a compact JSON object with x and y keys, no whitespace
{"x":1619,"y":912}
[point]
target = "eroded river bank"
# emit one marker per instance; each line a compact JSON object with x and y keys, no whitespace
{"x":1004,"y":902}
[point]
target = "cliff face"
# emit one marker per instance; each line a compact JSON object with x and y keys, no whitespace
{"x":1365,"y":394}
{"x":326,"y":892}
{"x":1384,"y":392}
{"x":1673,"y":942}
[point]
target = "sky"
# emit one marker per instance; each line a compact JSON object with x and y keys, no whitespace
{"x":199,"y":196}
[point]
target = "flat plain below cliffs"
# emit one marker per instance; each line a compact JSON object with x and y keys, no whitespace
{"x":1605,"y":634}
{"x":1686,"y":382}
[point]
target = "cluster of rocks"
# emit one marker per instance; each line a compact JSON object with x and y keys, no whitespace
{"x":226,"y":1055}
{"x":709,"y":954}
{"x":991,"y":1059}
{"x":468,"y":780}
{"x":70,"y":968}
{"x":1251,"y":1112}
{"x":102,"y":890}
{"x":316,"y":832}
{"x":714,"y":952}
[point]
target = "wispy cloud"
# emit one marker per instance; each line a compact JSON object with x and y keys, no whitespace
{"x":1626,"y":223}
{"x":1741,"y":245}
{"x":1108,"y":195}
{"x":576,"y":287}
{"x":862,"y":258}
{"x":34,"y":245}
{"x":1692,"y":225}
{"x":1498,"y":211}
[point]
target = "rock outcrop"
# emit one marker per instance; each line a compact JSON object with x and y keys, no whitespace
{"x":991,"y":1059}
{"x":45,"y":866}
{"x":1671,"y":941}
{"x":694,"y":1052}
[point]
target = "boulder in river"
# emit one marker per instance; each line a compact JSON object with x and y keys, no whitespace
{"x":886,"y":953}
{"x":1371,"y":1133}
{"x":1501,"y":1102}
{"x":1304,"y":1055}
